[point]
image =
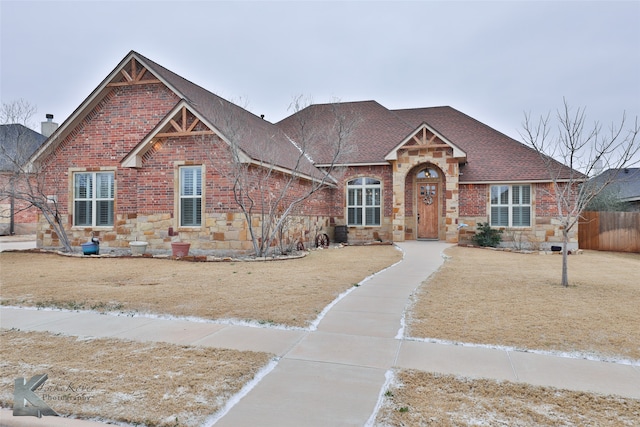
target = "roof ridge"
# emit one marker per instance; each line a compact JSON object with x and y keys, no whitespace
{"x":190,"y":83}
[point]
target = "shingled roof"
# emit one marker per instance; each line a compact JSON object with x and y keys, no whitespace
{"x":491,"y":155}
{"x":17,"y":144}
{"x":250,"y":132}
{"x":369,"y":131}
{"x":624,"y":182}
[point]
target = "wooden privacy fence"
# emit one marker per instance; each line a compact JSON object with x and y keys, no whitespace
{"x":610,"y":231}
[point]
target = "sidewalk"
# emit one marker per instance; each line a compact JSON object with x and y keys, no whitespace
{"x":20,"y":241}
{"x":334,"y":375}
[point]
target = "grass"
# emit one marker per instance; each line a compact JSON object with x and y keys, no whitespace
{"x":510,"y":299}
{"x":280,"y":292}
{"x":153,"y":384}
{"x":478,"y":296}
{"x":428,"y":399}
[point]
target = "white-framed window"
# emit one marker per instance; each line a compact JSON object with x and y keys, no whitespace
{"x":93,"y":199}
{"x":190,"y":196}
{"x":363,"y":202}
{"x":510,"y":205}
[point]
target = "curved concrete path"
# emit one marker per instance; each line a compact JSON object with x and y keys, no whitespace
{"x":335,"y":373}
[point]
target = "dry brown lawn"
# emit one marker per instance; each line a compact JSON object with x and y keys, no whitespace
{"x":511,"y":299}
{"x":478,"y":296}
{"x":154,"y":384}
{"x":291,"y":292}
{"x":501,"y":298}
{"x":428,"y":399}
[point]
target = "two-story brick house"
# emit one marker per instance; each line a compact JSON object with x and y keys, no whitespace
{"x":148,"y":154}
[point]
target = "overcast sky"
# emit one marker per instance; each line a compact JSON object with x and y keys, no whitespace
{"x":491,"y":60}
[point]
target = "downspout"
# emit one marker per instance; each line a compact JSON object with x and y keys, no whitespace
{"x":12,"y":210}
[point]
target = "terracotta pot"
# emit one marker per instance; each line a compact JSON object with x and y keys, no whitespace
{"x":180,"y":249}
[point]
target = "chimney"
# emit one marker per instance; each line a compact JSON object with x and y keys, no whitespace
{"x":597,"y":167}
{"x":49,"y":127}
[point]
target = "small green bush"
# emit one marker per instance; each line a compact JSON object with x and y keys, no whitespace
{"x":487,"y":236}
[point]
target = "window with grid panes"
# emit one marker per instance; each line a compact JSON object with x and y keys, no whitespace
{"x":93,"y":196}
{"x":363,"y":202}
{"x":190,"y":196}
{"x":510,"y":206}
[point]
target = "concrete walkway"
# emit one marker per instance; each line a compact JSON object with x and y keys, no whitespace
{"x":334,"y":375}
{"x":17,"y":242}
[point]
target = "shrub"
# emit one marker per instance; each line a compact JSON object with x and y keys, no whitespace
{"x":487,"y":236}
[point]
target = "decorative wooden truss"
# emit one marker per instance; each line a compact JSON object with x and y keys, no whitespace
{"x":183,"y":124}
{"x":426,"y":138}
{"x":132,"y":74}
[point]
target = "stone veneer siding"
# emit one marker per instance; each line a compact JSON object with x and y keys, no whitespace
{"x":407,"y":163}
{"x":221,"y":232}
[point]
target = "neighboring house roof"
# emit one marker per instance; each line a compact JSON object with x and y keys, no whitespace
{"x":625,"y":182}
{"x":17,"y":144}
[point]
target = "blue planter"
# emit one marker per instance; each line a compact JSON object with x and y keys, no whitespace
{"x":90,"y":248}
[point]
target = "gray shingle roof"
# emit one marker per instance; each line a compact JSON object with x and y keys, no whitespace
{"x":17,"y":144}
{"x":626,"y":182}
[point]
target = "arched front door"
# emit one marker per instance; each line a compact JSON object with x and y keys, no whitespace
{"x":427,"y":199}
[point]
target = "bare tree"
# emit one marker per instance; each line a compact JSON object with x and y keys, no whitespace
{"x":272,"y":182}
{"x":24,"y":181}
{"x":585,"y":150}
{"x":17,"y":112}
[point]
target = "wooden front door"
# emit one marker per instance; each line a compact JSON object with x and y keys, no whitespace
{"x":427,"y":210}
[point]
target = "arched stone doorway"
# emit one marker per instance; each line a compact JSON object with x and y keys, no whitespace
{"x":428,"y":202}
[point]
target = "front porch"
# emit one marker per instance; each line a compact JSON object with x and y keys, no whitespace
{"x":425,"y":188}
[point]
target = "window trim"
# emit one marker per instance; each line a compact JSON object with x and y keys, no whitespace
{"x":179,"y":166}
{"x":363,"y":188}
{"x":510,"y":205}
{"x":73,"y":172}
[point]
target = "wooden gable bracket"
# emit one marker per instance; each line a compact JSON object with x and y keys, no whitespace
{"x":425,"y":137}
{"x":180,"y":126}
{"x":424,"y":140}
{"x":179,"y":122}
{"x":133,"y":76}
